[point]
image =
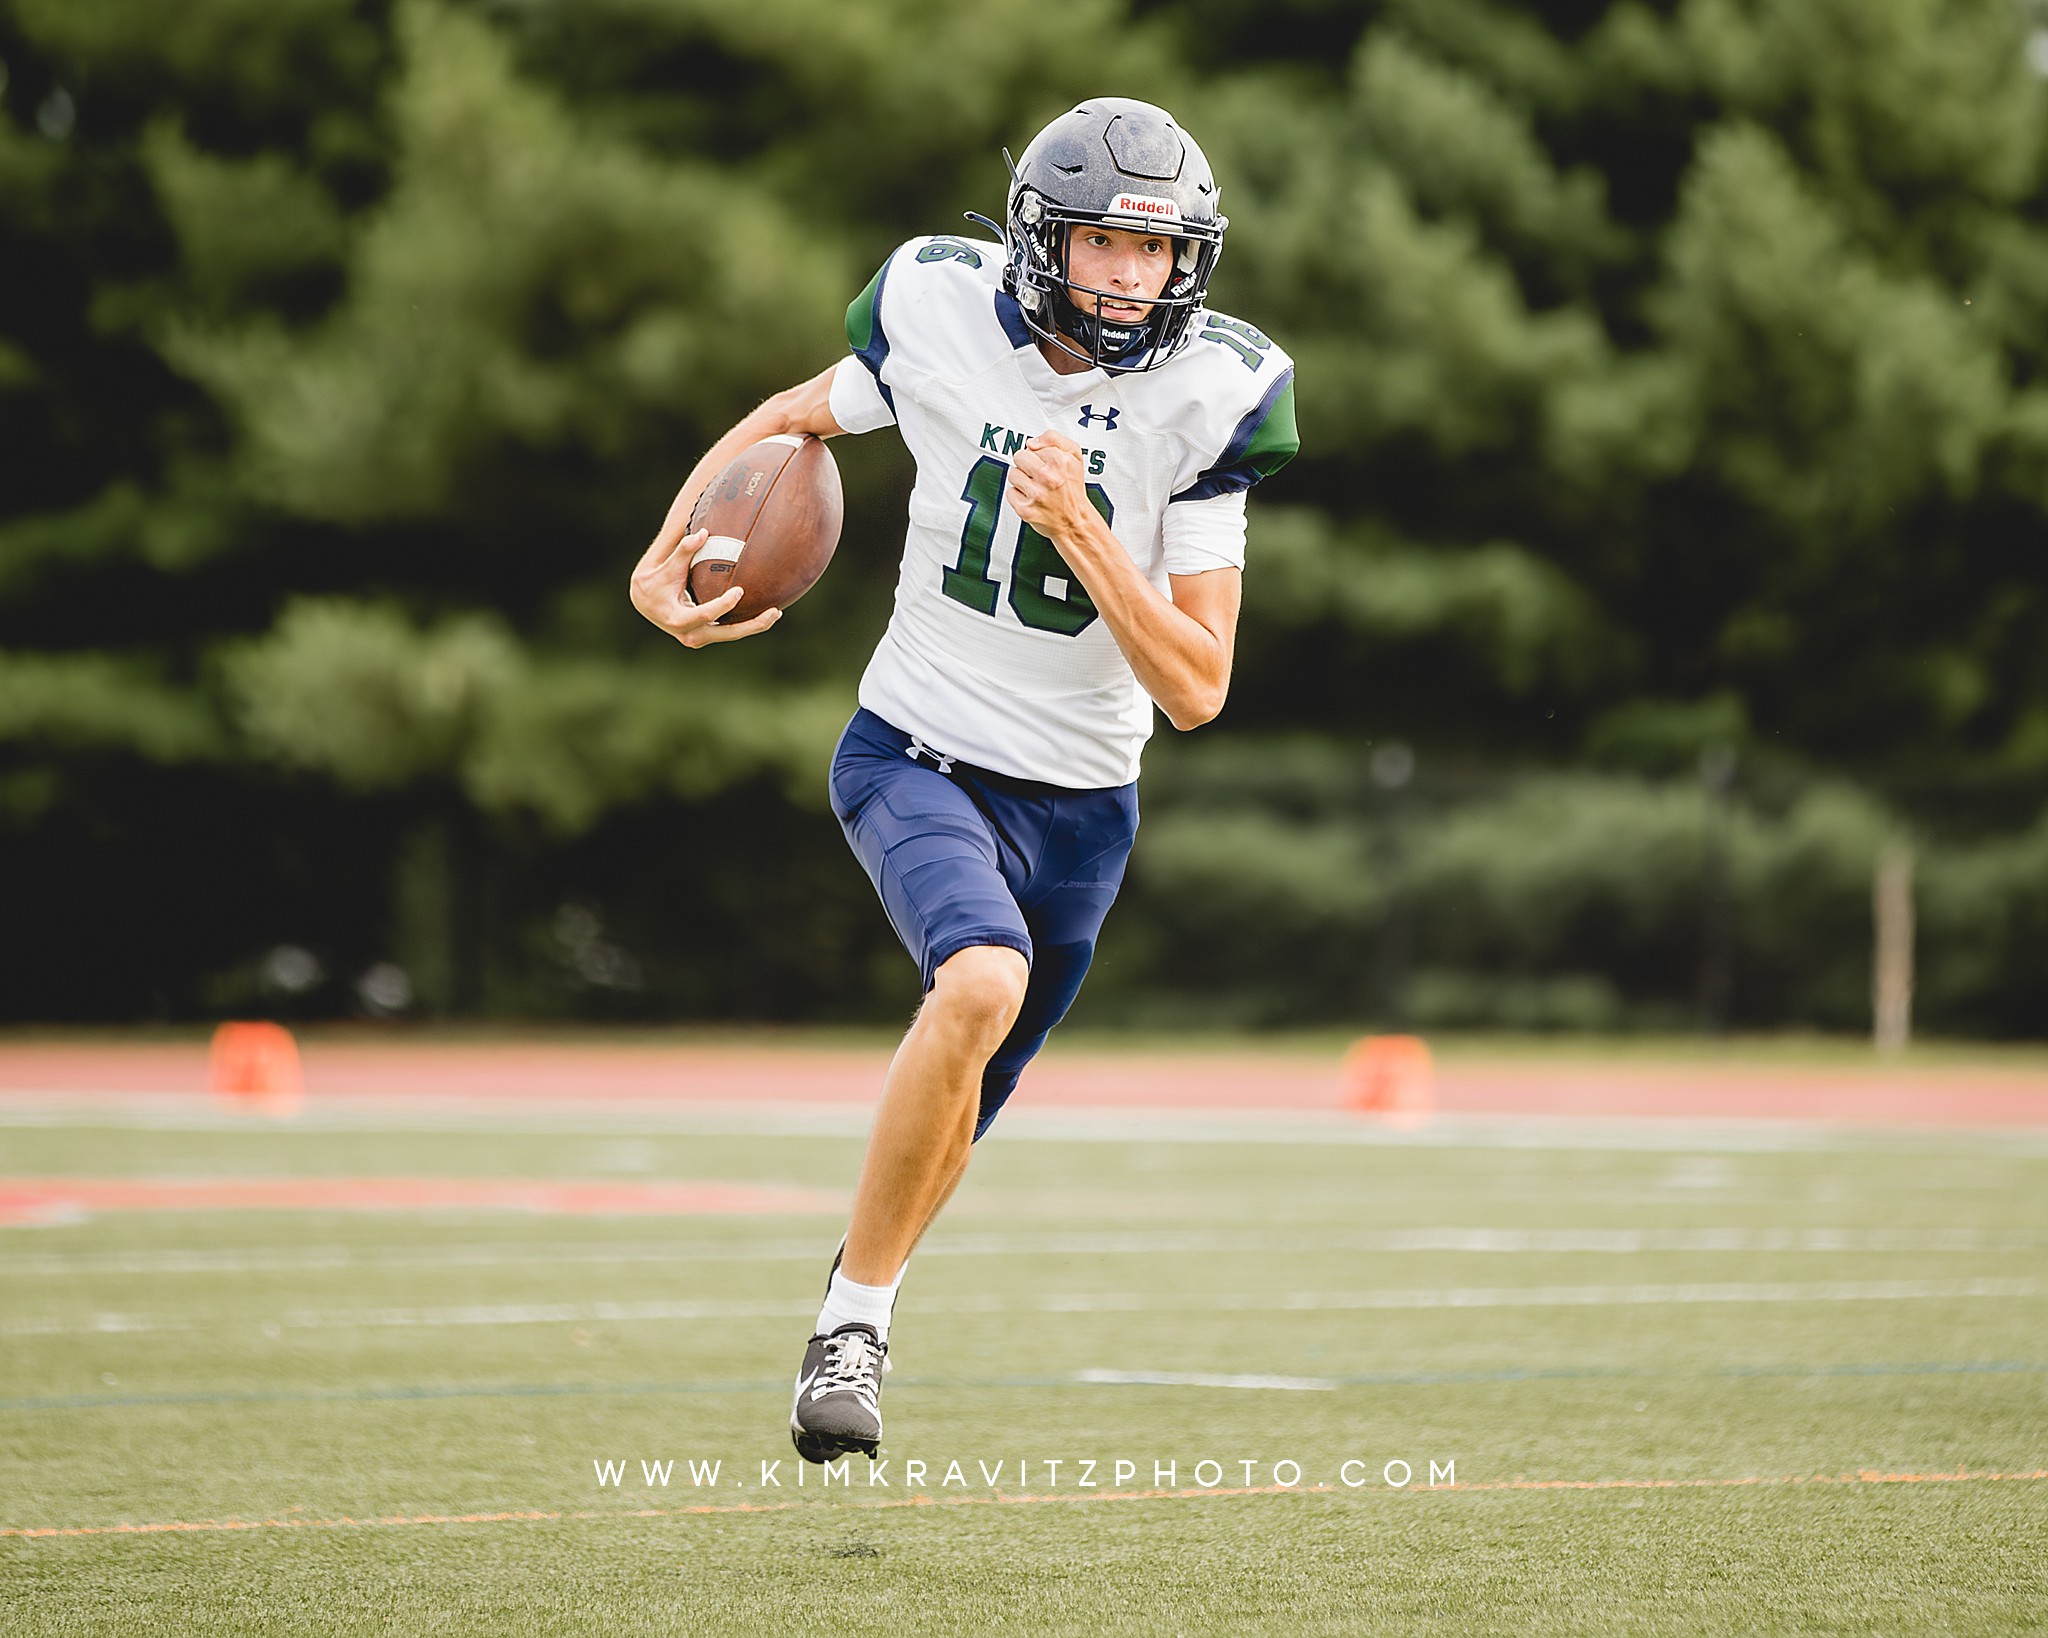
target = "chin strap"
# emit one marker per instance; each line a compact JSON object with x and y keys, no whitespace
{"x":1078,"y":327}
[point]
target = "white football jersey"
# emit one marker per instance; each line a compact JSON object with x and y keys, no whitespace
{"x":995,"y":653}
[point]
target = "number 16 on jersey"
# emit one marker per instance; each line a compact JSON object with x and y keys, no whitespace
{"x":1043,"y":591}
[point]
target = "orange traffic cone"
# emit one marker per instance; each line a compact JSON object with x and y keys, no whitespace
{"x":255,"y":1067}
{"x":1391,"y":1075}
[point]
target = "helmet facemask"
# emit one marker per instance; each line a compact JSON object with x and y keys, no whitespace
{"x":1056,"y":317}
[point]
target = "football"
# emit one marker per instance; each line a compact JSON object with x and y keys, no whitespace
{"x":774,"y":516}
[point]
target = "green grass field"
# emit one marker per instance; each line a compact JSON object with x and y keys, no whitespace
{"x":1617,"y":1312}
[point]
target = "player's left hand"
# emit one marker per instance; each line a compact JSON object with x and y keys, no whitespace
{"x":661,"y":591}
{"x":1047,"y":489}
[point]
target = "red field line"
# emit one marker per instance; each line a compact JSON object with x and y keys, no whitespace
{"x":1867,"y":1476}
{"x":1223,"y":1080}
{"x":61,"y":1199}
{"x":211,"y":1526}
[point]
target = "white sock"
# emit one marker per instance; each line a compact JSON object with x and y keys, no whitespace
{"x":848,"y":1302}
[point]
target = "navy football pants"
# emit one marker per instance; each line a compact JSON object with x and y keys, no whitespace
{"x":964,"y":856}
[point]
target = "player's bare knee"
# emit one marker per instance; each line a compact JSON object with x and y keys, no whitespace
{"x":979,"y":991}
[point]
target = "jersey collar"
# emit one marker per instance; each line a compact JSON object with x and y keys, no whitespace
{"x":1051,"y":386}
{"x":1011,"y":317}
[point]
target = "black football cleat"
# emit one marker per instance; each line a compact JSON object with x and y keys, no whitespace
{"x":837,"y":1409}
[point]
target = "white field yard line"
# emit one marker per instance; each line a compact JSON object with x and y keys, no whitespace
{"x":1502,"y":1241}
{"x":65,"y":1109}
{"x":1000,"y":1499}
{"x":1207,"y":1379}
{"x":1082,"y":1302}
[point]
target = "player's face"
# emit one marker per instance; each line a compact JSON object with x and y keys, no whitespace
{"x":1132,"y":265}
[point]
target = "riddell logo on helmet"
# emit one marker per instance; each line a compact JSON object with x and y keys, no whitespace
{"x":1151,"y":209}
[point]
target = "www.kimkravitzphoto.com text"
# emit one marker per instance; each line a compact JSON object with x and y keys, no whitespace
{"x":1043,"y":1473}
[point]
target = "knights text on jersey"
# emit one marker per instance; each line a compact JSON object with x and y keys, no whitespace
{"x":995,"y":653}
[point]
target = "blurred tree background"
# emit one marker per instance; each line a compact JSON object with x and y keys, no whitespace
{"x":1668,"y":540}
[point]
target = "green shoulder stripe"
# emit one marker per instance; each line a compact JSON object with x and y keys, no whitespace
{"x":1277,"y":440}
{"x":860,"y":315}
{"x":1266,"y":439}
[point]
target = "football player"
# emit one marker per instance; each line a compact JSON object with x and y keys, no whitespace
{"x":1085,"y":428}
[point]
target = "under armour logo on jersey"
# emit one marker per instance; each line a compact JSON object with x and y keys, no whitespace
{"x":1107,"y":417}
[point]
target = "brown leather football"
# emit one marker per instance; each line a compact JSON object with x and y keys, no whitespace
{"x":774,"y":516}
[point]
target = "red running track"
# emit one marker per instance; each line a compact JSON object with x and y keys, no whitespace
{"x":1879,"y":1094}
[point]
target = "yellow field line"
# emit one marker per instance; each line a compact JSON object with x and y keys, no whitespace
{"x":212,"y":1526}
